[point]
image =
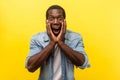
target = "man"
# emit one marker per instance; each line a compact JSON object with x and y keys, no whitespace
{"x":57,"y":50}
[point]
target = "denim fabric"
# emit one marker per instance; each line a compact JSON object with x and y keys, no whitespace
{"x":72,"y":39}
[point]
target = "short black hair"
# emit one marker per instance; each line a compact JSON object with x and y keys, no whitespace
{"x":56,"y":7}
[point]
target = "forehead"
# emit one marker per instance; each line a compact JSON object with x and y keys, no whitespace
{"x":55,"y":12}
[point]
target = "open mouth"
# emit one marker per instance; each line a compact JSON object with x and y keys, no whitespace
{"x":56,"y":30}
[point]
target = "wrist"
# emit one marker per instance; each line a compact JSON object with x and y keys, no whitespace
{"x":60,"y":42}
{"x":52,"y":43}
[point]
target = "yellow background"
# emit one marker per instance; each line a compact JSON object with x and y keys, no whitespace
{"x":97,"y":20}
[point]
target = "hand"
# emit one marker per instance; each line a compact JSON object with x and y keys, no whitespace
{"x":50,"y":33}
{"x":61,"y":35}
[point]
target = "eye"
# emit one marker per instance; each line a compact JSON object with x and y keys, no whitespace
{"x":50,"y":18}
{"x":60,"y":18}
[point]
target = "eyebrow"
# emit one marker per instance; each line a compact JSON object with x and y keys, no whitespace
{"x":58,"y":16}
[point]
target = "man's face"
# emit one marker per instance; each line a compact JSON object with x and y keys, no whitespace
{"x":55,"y":18}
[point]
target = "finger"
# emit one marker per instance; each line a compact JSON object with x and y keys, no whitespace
{"x":48,"y":26}
{"x":64,"y":28}
{"x":46,"y":23}
{"x":61,"y":35}
{"x":50,"y":29}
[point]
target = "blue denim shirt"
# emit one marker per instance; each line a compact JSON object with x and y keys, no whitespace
{"x":73,"y":40}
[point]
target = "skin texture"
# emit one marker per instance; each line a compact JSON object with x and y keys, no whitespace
{"x":56,"y":29}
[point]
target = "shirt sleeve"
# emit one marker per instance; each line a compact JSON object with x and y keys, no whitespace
{"x":34,"y":49}
{"x":79,"y":47}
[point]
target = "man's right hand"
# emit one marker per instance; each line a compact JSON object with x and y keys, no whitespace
{"x":53,"y":38}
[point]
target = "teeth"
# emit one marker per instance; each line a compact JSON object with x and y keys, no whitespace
{"x":55,"y":29}
{"x":56,"y":26}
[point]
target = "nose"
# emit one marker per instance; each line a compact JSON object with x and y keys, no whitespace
{"x":56,"y":21}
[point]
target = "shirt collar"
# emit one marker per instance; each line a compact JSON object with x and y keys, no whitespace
{"x":46,"y":37}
